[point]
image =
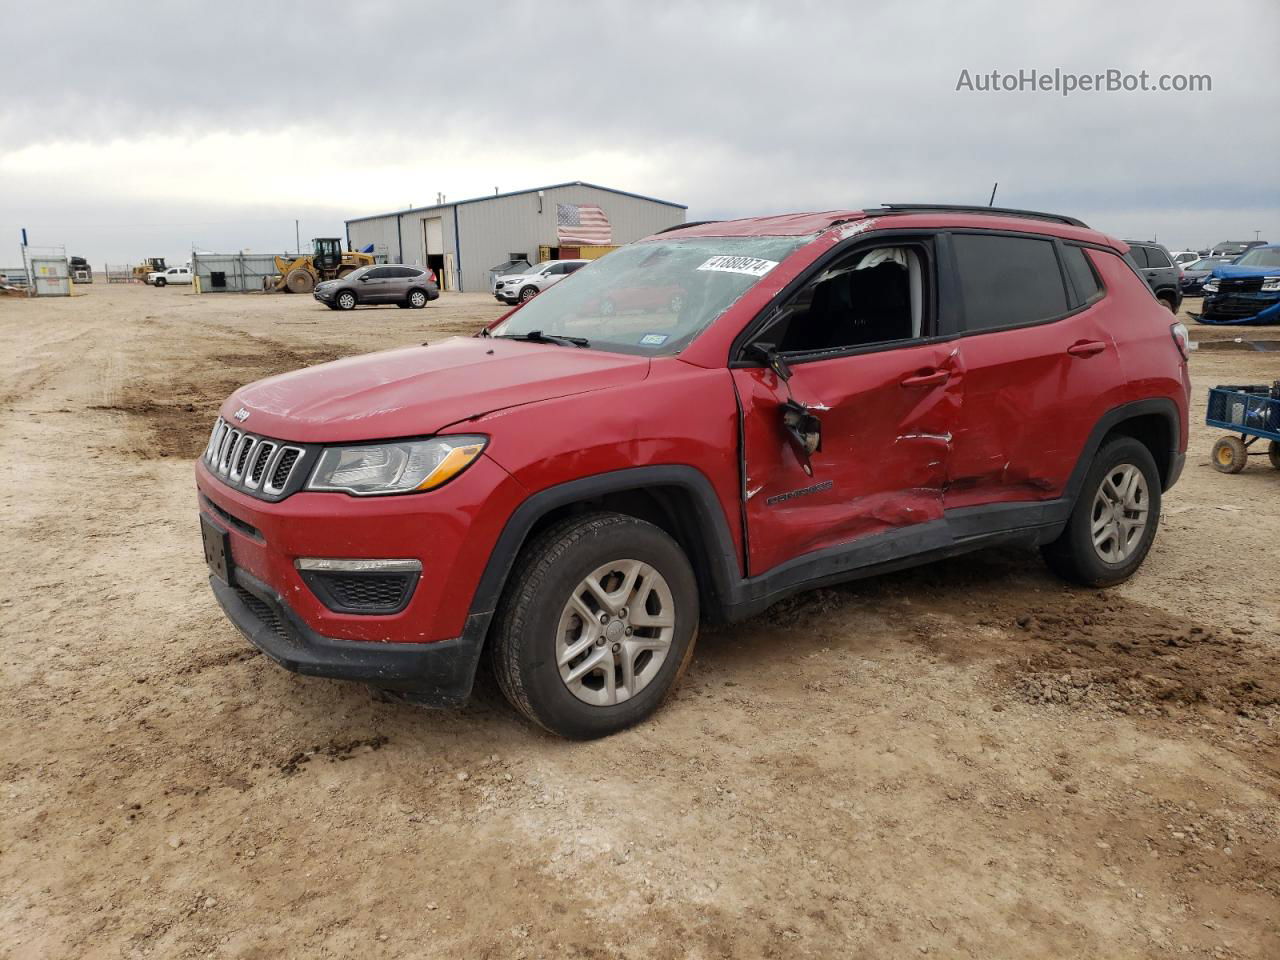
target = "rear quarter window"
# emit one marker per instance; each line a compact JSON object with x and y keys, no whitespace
{"x":1008,"y":281}
{"x":1083,"y":277}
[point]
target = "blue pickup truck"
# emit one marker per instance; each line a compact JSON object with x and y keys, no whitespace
{"x":1246,"y":291}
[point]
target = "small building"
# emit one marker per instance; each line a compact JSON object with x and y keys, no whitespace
{"x":464,"y":240}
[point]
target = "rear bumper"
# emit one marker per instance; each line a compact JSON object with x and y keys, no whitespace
{"x":436,"y":674}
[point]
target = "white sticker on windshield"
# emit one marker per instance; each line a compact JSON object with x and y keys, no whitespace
{"x":752,"y":266}
{"x":653,"y":339}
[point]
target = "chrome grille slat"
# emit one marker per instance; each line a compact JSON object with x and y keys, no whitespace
{"x":268,"y":475}
{"x":243,"y":455}
{"x":266,"y":449}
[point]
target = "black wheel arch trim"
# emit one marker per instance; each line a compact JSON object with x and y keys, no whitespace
{"x":713,"y":528}
{"x":1164,"y":408}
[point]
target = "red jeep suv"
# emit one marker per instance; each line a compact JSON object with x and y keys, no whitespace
{"x":805,"y":399}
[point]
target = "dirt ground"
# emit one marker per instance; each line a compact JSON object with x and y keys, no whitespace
{"x":969,"y":759}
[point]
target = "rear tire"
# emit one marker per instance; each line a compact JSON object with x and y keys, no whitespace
{"x":1230,"y":455}
{"x":1115,"y":518}
{"x":299,"y":281}
{"x":578,"y":660}
{"x":1273,"y":453}
{"x":417,"y":299}
{"x":1168,"y":302}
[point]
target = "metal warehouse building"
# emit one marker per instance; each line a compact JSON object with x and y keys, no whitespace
{"x":463,"y":240}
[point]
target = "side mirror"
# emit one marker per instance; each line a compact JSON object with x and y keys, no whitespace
{"x":804,"y":430}
{"x":363,"y":277}
{"x":767,"y":354}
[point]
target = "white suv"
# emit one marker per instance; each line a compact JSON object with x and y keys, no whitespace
{"x":519,"y":287}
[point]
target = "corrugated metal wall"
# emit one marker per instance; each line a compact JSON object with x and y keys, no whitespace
{"x":381,"y":232}
{"x":241,"y":272}
{"x":492,"y":227}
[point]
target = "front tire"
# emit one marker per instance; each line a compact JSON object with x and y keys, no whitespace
{"x":345,"y":300}
{"x":528,"y":293}
{"x":1115,"y":518}
{"x":596,"y":626}
{"x":160,"y":281}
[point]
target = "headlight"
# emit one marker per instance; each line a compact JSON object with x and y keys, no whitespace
{"x":1210,"y":286}
{"x":403,"y":467}
{"x":1271,"y":284}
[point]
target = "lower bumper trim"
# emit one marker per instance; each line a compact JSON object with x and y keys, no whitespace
{"x":437,"y":674}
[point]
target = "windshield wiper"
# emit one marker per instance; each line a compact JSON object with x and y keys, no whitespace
{"x":537,"y":336}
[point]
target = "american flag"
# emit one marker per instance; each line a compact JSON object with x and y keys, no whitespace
{"x":582,"y":223}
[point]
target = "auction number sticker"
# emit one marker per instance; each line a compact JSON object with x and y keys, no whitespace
{"x":751,"y":266}
{"x":653,"y":339}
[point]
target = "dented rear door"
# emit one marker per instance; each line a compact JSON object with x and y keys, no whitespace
{"x":887,"y":418}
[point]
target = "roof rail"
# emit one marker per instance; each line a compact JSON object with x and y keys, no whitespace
{"x":989,"y":211}
{"x":685,"y":226}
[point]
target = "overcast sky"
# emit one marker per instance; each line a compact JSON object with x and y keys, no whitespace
{"x":127,"y":133}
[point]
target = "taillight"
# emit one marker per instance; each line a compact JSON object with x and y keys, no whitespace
{"x":1182,"y":338}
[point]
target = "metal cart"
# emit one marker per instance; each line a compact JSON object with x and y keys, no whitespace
{"x":1251,"y":412}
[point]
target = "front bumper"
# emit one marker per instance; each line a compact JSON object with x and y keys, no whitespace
{"x":324,"y":296}
{"x":435,"y":674}
{"x":1253,"y":308}
{"x":450,"y":530}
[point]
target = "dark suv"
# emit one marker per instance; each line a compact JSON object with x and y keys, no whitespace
{"x":575,"y":489}
{"x":389,"y":283}
{"x":1161,"y":273}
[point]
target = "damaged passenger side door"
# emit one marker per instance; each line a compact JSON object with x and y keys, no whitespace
{"x":847,"y":411}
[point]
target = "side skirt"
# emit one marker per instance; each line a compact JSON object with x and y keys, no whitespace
{"x":959,"y":531}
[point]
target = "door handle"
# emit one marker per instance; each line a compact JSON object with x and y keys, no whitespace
{"x":1086,"y":348}
{"x":931,"y":379}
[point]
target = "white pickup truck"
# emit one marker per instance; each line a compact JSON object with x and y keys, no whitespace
{"x":162,"y":278}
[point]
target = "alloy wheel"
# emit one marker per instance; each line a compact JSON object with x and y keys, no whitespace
{"x":1120,"y":513}
{"x":615,"y":632}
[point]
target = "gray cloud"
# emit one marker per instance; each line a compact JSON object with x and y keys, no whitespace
{"x":739,"y":108}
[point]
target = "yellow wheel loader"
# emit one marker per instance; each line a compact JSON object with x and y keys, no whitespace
{"x":327,"y":261}
{"x":144,"y":270}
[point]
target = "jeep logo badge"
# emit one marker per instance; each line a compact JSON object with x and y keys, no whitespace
{"x":242,"y":414}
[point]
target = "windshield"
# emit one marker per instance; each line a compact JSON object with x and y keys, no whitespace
{"x":1260,"y":257}
{"x":1207,"y":263}
{"x":651,"y":298}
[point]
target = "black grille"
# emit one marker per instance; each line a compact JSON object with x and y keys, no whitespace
{"x":361,"y":592}
{"x":260,"y":461}
{"x":267,"y":614}
{"x":283,"y":467}
{"x":1241,"y":285}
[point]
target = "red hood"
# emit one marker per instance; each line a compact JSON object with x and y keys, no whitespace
{"x":416,"y":391}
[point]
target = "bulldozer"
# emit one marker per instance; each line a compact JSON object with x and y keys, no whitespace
{"x":152,"y":265}
{"x":327,"y":261}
